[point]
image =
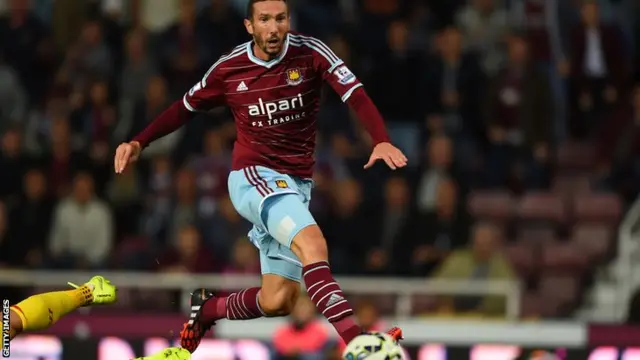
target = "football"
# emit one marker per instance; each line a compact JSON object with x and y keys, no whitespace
{"x":373,"y":346}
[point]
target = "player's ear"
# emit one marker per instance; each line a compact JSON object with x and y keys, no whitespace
{"x":249,"y":26}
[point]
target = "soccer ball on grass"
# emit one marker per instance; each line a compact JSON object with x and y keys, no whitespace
{"x":373,"y":346}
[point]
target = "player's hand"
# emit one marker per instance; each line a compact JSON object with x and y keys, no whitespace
{"x":126,"y":153}
{"x":391,"y":155}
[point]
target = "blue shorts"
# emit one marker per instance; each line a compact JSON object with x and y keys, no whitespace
{"x":278,"y":207}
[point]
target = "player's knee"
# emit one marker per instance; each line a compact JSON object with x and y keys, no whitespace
{"x":279,"y":302}
{"x":310,"y":245}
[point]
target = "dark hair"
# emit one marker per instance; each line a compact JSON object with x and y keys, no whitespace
{"x":250,"y":6}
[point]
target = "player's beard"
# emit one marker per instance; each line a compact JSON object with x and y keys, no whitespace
{"x":271,"y":45}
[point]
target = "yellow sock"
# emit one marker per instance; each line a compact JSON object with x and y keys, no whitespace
{"x":40,"y":311}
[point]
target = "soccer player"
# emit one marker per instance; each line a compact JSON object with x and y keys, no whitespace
{"x":272,"y":85}
{"x":40,"y":311}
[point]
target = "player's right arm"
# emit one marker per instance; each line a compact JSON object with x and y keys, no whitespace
{"x":207,"y":94}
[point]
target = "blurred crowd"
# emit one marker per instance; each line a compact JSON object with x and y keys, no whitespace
{"x":479,"y":94}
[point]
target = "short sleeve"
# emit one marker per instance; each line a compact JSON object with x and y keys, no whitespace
{"x":334,"y":70}
{"x":208,"y":93}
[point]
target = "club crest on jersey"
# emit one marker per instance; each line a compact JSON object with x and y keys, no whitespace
{"x":282,"y":184}
{"x":294,"y":76}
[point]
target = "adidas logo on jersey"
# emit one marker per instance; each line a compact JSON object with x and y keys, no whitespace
{"x":334,"y":298}
{"x":242,"y":87}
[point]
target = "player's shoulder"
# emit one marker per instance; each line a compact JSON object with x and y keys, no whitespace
{"x":313,"y":46}
{"x":233,"y":56}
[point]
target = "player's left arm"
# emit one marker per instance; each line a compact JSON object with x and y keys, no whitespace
{"x":352,"y":92}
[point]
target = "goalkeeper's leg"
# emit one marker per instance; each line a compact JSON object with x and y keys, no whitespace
{"x":40,"y":311}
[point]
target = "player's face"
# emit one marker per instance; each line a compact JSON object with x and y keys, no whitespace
{"x":269,"y":26}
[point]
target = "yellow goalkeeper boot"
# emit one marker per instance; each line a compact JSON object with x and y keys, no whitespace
{"x":102,"y":291}
{"x":174,"y":353}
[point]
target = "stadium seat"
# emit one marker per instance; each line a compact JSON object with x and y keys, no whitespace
{"x":563,"y":257}
{"x":602,"y":208}
{"x":522,"y":256}
{"x":537,"y":235}
{"x":575,"y":156}
{"x":542,"y":206}
{"x":533,"y":306}
{"x":562,"y":290}
{"x":491,"y":205}
{"x":569,"y":185}
{"x":593,"y":240}
{"x":530,"y":305}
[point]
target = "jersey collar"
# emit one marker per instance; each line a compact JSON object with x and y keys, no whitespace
{"x":272,"y":62}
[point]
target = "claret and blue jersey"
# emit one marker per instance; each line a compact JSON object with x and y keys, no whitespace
{"x":274,"y":103}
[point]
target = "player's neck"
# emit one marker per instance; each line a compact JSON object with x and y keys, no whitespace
{"x":257,"y":52}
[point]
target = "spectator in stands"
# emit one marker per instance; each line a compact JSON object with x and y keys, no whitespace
{"x":619,"y":148}
{"x":157,"y":15}
{"x":482,"y":261}
{"x":394,"y":81}
{"x":224,"y":228}
{"x":134,"y":79}
{"x":31,"y":219}
{"x":89,"y":58}
{"x":188,"y":255}
{"x":186,"y":209}
{"x":13,"y":162}
{"x":330,"y":167}
{"x":243,"y":259}
{"x":13,"y":98}
{"x":37,"y":127}
{"x":373,"y":17}
{"x":392,"y":225}
{"x":453,"y":88}
{"x":175,"y":212}
{"x":484,"y":27}
{"x":305,"y":337}
{"x":540,"y":24}
{"x":125,"y":194}
{"x":435,"y":234}
{"x":348,"y":220}
{"x":95,"y":122}
{"x":599,"y":70}
{"x":62,"y":159}
{"x":211,"y":169}
{"x":184,"y":54}
{"x":518,"y":112}
{"x":221,"y":26}
{"x":26,"y":48}
{"x":333,"y":154}
{"x":159,"y":199}
{"x":437,"y":168}
{"x":82,"y":233}
{"x":157,"y":99}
